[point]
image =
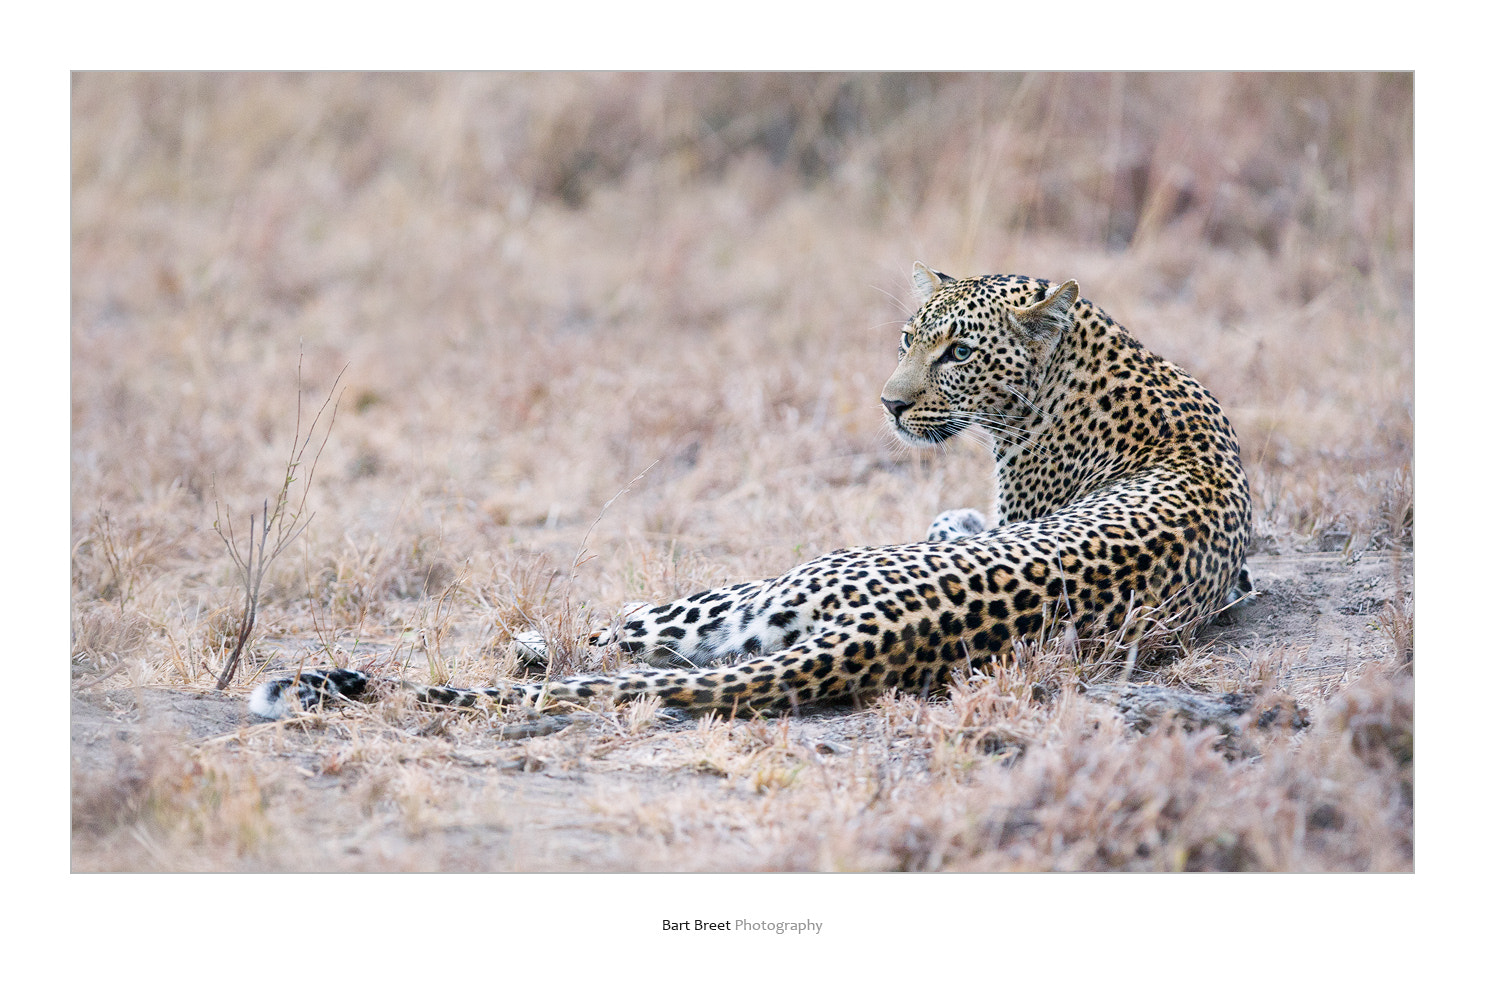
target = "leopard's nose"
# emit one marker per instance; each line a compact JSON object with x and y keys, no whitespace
{"x":895,"y":407}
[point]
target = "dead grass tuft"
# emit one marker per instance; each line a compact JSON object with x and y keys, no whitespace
{"x":1396,"y":620}
{"x":103,"y":635}
{"x":1102,"y":798}
{"x":161,"y":807}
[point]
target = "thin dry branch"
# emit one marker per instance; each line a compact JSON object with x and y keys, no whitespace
{"x":579,"y":559}
{"x":284,"y":524}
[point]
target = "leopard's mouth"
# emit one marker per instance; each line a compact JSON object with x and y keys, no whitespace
{"x":927,"y":437}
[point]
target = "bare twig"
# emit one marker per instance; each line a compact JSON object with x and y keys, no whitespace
{"x":579,"y":559}
{"x":285,"y":525}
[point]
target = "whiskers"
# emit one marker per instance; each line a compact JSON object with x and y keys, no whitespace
{"x":892,"y":441}
{"x":1012,"y":428}
{"x":907,"y":308}
{"x":1026,"y":400}
{"x":999,"y":433}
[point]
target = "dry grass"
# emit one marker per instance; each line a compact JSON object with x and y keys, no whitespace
{"x":546,"y":286}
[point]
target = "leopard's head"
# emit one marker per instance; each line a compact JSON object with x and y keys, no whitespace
{"x":973,"y":354}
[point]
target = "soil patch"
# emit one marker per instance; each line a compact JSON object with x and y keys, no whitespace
{"x":351,"y":791}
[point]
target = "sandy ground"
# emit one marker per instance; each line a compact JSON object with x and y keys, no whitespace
{"x":565,"y":801}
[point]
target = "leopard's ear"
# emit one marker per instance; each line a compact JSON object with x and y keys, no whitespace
{"x":1051,"y":315}
{"x":928,"y":282}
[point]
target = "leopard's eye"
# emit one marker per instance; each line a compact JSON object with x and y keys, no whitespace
{"x":960,"y":352}
{"x":907,"y":339}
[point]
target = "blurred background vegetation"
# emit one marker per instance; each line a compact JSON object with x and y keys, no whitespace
{"x":544,"y":284}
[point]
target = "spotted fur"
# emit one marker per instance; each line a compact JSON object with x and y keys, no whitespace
{"x":1120,"y":496}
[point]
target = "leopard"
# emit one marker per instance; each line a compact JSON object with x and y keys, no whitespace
{"x":1119,"y":503}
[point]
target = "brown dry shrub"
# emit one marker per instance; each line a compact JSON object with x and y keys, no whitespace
{"x":104,"y":634}
{"x":1098,"y":797}
{"x":161,"y":807}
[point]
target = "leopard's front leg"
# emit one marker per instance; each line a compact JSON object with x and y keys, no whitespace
{"x":957,"y":524}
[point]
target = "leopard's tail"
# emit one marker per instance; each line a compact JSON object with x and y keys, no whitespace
{"x":807,"y":673}
{"x":312,"y":690}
